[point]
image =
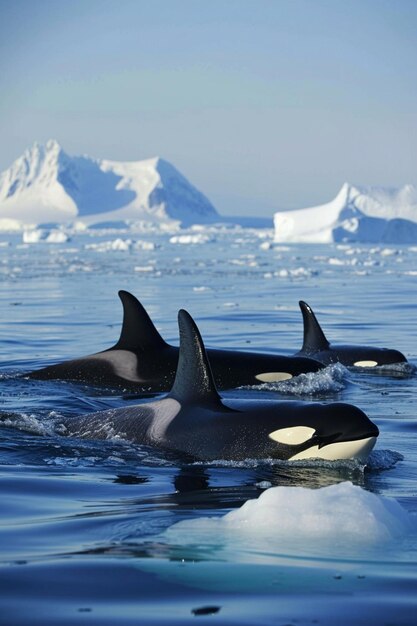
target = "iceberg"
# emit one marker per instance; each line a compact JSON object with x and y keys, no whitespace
{"x":357,"y":214}
{"x":47,"y":185}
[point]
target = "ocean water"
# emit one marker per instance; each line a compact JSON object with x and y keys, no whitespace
{"x":113,"y":533}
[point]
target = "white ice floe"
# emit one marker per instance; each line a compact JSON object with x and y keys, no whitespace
{"x":190,"y":239}
{"x":121,"y":245}
{"x":56,"y":236}
{"x":10,"y":225}
{"x":38,"y":235}
{"x":144,"y":268}
{"x":337,"y":518}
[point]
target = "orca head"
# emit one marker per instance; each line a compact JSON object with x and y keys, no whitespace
{"x":331,"y":432}
{"x":335,"y":431}
{"x":374,"y":357}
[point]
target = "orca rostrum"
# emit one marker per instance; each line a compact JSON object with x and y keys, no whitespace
{"x":194,"y":420}
{"x":316,"y":345}
{"x":141,"y":360}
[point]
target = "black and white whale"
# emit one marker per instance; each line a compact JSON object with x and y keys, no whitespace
{"x":316,"y":345}
{"x":142,"y":361}
{"x":193,"y":419}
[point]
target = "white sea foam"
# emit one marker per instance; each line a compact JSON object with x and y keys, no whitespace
{"x":28,"y":423}
{"x":335,"y":519}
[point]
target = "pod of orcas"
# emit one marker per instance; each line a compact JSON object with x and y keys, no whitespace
{"x":142,"y":361}
{"x":194,"y":420}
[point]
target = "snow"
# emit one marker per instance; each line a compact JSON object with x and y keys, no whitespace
{"x":357,"y":214}
{"x":47,"y":185}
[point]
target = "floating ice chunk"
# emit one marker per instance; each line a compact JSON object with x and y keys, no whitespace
{"x":9,"y":224}
{"x":57,"y":236}
{"x":48,"y":236}
{"x":123,"y":245}
{"x":190,"y":239}
{"x":144,"y":245}
{"x":338,"y":517}
{"x":266,"y":245}
{"x":79,"y":226}
{"x":33,"y":236}
{"x":144,"y":268}
{"x":263,"y":484}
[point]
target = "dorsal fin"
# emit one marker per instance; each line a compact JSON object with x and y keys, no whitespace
{"x":314,"y":337}
{"x":138,"y":331}
{"x":194,"y":381}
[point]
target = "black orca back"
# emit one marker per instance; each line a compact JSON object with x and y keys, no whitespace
{"x":138,"y":332}
{"x":194,"y":382}
{"x":314,"y":338}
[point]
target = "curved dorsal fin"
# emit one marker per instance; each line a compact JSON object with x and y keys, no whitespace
{"x":314,"y":337}
{"x":138,"y":331}
{"x":194,"y":381}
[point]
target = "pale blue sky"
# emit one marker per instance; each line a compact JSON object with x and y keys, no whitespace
{"x":262,"y":104}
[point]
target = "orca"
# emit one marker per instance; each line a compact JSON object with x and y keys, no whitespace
{"x":194,"y":420}
{"x":141,"y":360}
{"x":316,"y":345}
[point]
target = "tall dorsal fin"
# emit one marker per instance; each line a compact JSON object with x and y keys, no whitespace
{"x":138,"y":331}
{"x":314,"y":337}
{"x":194,"y":381}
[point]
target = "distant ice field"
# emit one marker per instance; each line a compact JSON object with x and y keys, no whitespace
{"x":113,"y":533}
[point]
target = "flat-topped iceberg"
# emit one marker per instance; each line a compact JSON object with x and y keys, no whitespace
{"x":357,"y":214}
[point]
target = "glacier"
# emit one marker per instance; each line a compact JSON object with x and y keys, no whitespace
{"x":46,"y":185}
{"x":357,"y":214}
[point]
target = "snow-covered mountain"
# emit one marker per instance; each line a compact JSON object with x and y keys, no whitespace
{"x":357,"y":214}
{"x":47,"y":185}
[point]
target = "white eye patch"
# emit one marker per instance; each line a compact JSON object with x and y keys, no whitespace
{"x":365,"y":363}
{"x":293,"y":436}
{"x":273,"y":377}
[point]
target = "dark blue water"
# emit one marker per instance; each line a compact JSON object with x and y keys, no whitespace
{"x":87,"y":531}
